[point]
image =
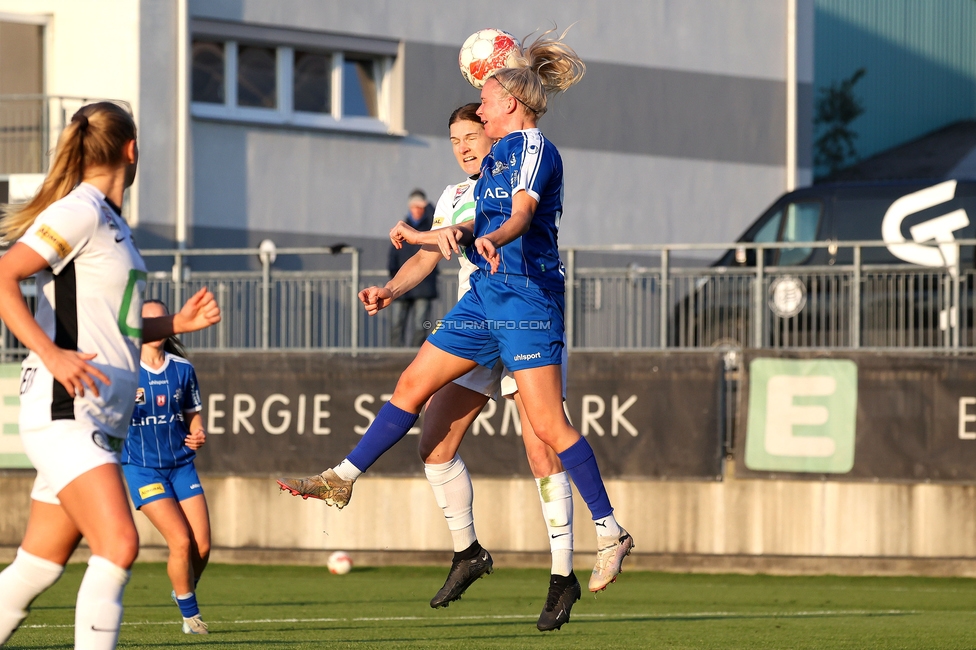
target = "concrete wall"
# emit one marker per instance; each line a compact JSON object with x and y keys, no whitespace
{"x":735,"y":525}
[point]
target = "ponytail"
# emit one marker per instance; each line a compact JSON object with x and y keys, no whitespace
{"x":546,"y":66}
{"x":95,"y":136}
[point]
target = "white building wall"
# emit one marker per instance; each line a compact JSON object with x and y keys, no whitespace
{"x":91,"y":51}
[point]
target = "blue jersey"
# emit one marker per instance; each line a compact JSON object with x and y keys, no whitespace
{"x":158,"y":428}
{"x":523,"y":161}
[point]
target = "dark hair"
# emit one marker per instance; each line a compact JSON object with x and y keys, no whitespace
{"x":466,"y":113}
{"x":173,"y":344}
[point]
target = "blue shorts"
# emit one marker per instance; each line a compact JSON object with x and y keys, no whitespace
{"x":504,"y":316}
{"x":147,"y":484}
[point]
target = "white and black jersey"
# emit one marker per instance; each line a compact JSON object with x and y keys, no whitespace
{"x":457,"y":205}
{"x":90,"y":300}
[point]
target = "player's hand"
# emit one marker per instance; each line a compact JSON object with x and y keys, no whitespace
{"x":199,"y":312}
{"x":487,"y":250}
{"x":448,"y":239}
{"x":196,"y":439}
{"x":375,"y":298}
{"x":73,"y":372}
{"x":403,"y":233}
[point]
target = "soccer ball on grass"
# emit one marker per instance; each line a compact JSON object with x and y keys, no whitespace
{"x":486,"y":52}
{"x":339,"y":563}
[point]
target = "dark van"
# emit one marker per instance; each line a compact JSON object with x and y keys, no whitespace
{"x":908,"y":289}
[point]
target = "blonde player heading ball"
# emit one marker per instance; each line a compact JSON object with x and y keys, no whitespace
{"x":79,"y":380}
{"x":519,"y":278}
{"x":454,"y":408}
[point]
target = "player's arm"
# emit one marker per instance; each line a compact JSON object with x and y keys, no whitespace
{"x":198,"y":312}
{"x":448,"y":239}
{"x":414,"y":270}
{"x":198,"y":436}
{"x":523,"y":209}
{"x":69,"y":367}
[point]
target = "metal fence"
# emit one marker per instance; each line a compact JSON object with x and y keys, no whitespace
{"x":29,"y":129}
{"x":661,"y":304}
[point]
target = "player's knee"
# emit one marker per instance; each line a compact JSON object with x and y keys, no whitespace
{"x":410,"y":392}
{"x":543,"y":461}
{"x":122,"y":549}
{"x":179,"y":544}
{"x":203,"y":547}
{"x":425,"y":449}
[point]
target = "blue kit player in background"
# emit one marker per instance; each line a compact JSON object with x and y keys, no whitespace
{"x":157,"y":460}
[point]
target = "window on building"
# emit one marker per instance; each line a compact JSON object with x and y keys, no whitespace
{"x":208,"y":72}
{"x":359,"y":90}
{"x":303,"y":78}
{"x":312,"y":90}
{"x":24,"y":140}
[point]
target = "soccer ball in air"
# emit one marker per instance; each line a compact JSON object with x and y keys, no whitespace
{"x":486,"y":52}
{"x":339,"y":563}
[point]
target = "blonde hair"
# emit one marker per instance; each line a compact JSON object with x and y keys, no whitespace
{"x":546,"y":66}
{"x":96,"y":136}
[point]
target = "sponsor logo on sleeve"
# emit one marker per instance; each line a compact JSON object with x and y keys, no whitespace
{"x":151,"y":490}
{"x":48,"y":235}
{"x":438,"y":222}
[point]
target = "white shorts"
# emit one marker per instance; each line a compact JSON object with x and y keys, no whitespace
{"x":499,"y":380}
{"x":64,"y":450}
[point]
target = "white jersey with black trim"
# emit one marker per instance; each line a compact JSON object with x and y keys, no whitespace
{"x":455,"y":206}
{"x":89,"y":299}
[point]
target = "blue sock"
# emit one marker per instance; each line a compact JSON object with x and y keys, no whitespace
{"x":389,"y":427}
{"x":580,"y":462}
{"x":188,"y":605}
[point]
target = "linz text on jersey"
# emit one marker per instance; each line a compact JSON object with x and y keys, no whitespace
{"x":157,"y":419}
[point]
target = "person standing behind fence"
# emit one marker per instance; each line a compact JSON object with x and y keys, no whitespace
{"x":412,"y":311}
{"x":157,"y":460}
{"x":78,"y":383}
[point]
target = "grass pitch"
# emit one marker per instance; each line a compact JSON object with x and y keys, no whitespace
{"x":306,"y":607}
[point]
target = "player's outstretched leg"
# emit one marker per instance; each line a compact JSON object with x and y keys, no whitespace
{"x":327,"y":486}
{"x":334,"y":486}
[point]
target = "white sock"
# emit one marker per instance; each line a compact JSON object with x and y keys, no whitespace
{"x":20,"y":583}
{"x":608,"y":527}
{"x":556,"y":495}
{"x":98,"y":611}
{"x":347,"y":471}
{"x":451,"y":484}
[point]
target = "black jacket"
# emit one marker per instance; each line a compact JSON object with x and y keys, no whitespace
{"x":398,"y":257}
